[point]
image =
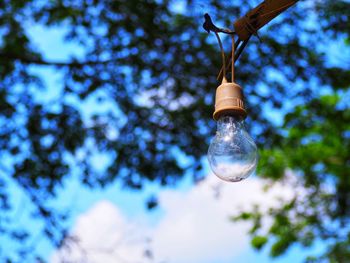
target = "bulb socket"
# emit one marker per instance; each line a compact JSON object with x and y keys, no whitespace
{"x":229,"y":101}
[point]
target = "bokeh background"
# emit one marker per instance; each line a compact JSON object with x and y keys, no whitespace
{"x":105,"y":121}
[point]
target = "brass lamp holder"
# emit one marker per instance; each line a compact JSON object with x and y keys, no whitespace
{"x":229,"y":101}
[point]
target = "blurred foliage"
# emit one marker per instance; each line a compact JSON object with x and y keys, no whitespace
{"x":158,"y":67}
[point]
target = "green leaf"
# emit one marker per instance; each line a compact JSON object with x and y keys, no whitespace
{"x":259,"y":241}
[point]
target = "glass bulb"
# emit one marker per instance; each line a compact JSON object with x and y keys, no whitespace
{"x":232,"y":153}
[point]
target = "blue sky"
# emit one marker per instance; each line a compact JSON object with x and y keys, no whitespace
{"x":130,"y":205}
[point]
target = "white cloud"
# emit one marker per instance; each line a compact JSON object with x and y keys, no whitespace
{"x":104,"y":235}
{"x":195,"y":226}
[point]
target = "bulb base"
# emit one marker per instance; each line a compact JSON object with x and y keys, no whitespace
{"x":229,"y":101}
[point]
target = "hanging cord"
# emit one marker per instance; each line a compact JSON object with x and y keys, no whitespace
{"x":223,"y":57}
{"x":239,"y":48}
{"x":229,"y":62}
{"x":209,"y":26}
{"x":233,"y":59}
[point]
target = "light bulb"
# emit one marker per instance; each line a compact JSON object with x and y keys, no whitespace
{"x":232,"y":153}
